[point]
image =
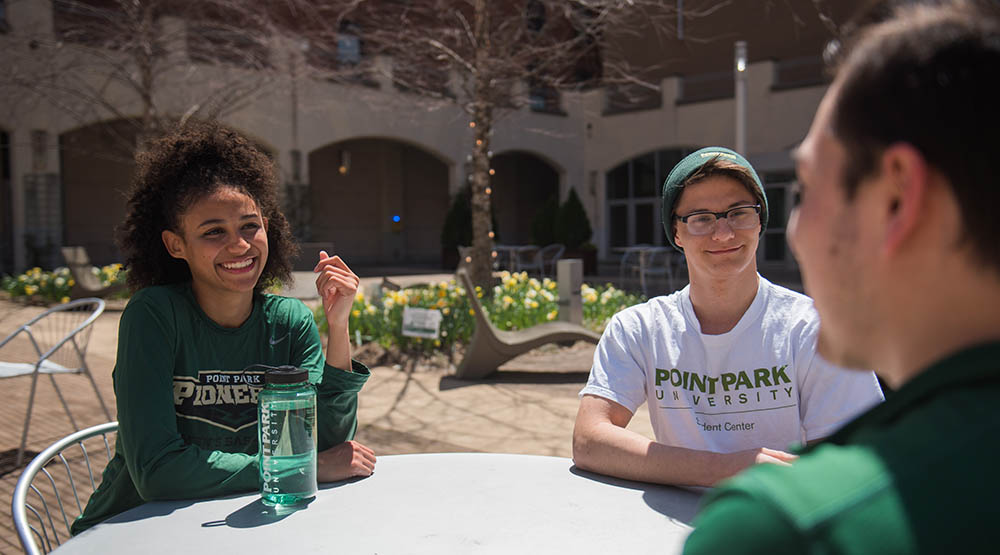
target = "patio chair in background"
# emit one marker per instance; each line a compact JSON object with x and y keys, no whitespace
{"x":44,"y":511}
{"x":59,"y":338}
{"x":630,"y":264}
{"x":663,"y":262}
{"x":490,"y":347}
{"x":542,"y":259}
{"x":87,"y":284}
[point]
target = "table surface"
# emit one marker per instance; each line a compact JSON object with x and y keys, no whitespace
{"x":429,"y":503}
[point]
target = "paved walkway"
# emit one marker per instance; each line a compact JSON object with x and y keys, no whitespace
{"x":415,"y":407}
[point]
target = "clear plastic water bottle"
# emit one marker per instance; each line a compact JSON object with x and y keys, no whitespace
{"x":286,"y":424}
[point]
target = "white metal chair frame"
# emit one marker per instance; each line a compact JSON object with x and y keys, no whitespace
{"x":44,"y":366}
{"x":660,"y":261}
{"x":545,"y":256}
{"x":43,"y":536}
{"x":630,"y":262}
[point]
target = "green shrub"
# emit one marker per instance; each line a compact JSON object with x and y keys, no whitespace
{"x":457,"y":229}
{"x":572,"y":226}
{"x":543,"y":225}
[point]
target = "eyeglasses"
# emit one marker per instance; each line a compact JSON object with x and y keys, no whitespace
{"x":738,"y":217}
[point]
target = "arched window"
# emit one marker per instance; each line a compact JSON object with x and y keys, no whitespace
{"x":633,"y":193}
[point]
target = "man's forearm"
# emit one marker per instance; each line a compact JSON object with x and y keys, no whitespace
{"x":615,"y":451}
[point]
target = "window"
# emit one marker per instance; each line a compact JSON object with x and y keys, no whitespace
{"x":545,"y":99}
{"x":534,"y":15}
{"x":706,"y":86}
{"x":230,"y":45}
{"x":807,"y":71}
{"x":619,"y":99}
{"x":348,"y":49}
{"x":777,"y":187}
{"x":633,"y":193}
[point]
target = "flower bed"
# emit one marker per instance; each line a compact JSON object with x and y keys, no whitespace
{"x":54,"y":287}
{"x":517,"y":302}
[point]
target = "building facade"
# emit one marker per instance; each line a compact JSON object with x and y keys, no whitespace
{"x":371,"y":168}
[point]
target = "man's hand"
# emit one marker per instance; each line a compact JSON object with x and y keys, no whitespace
{"x":745,"y":459}
{"x":347,"y":460}
{"x":336,"y":285}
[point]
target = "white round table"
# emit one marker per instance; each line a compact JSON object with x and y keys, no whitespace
{"x":432,"y":503}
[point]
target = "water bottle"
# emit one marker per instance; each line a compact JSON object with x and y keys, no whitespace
{"x":286,"y":424}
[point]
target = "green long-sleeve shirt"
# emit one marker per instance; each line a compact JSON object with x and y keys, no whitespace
{"x":187,"y":412}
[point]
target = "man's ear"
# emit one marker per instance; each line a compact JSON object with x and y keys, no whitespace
{"x":265,"y":223}
{"x":906,"y":175}
{"x":174,"y":243}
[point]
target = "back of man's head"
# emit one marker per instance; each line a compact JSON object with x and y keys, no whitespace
{"x":930,"y":77}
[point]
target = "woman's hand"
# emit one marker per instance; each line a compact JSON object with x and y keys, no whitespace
{"x":336,"y":285}
{"x":346,"y":460}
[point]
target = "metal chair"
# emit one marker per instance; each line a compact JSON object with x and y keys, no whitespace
{"x":660,"y":261}
{"x":40,"y":524}
{"x":59,"y":337}
{"x":545,"y":257}
{"x":630,"y":264}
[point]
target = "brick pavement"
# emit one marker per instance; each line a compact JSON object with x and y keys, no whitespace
{"x":414,"y":408}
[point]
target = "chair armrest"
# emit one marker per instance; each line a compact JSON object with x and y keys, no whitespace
{"x":14,"y":334}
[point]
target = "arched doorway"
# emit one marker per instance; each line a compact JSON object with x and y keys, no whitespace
{"x":379,"y":201}
{"x":96,"y":167}
{"x":522,"y":184}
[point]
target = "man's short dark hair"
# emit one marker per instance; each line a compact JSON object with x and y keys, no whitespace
{"x":929,"y":77}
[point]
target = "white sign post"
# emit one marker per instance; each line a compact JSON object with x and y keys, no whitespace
{"x":421,"y":322}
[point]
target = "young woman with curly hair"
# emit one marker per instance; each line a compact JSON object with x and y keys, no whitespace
{"x":202,"y":238}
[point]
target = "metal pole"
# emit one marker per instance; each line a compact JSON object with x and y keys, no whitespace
{"x":740,"y":77}
{"x":680,"y":19}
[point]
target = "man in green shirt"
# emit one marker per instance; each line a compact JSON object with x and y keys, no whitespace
{"x":896,"y":235}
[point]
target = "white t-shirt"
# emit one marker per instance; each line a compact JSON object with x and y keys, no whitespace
{"x":761,"y":384}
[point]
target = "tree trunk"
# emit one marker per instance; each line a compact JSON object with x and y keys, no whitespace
{"x":481,"y":268}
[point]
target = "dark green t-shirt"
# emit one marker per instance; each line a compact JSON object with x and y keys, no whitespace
{"x":187,"y":412}
{"x":915,"y":474}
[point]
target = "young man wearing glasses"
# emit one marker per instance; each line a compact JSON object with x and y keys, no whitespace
{"x":727,"y":365}
{"x":896,"y":235}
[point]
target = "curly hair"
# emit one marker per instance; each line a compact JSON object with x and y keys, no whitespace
{"x":174,"y":173}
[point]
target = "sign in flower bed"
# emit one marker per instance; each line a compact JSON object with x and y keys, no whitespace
{"x":516,"y":303}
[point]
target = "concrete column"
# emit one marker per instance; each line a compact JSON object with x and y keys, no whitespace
{"x":569,"y":274}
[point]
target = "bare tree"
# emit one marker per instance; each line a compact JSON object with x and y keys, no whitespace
{"x":142,"y":62}
{"x":491,"y":58}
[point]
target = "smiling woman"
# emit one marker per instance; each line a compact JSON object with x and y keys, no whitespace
{"x":223,"y":239}
{"x":202,"y":238}
{"x":172,"y":176}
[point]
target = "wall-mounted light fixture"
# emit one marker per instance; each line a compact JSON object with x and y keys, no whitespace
{"x":345,"y":162}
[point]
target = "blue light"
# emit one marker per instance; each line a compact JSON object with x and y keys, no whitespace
{"x":395,"y":219}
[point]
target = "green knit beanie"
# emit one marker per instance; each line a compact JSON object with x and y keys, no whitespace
{"x":673,"y":186}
